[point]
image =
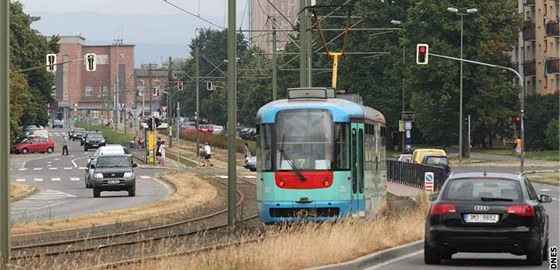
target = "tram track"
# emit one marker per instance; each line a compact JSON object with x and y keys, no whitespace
{"x":153,"y":238}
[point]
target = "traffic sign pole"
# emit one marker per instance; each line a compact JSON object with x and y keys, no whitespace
{"x":5,"y":216}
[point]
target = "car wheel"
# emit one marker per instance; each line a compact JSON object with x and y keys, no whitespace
{"x":431,"y":255}
{"x":85,"y":148}
{"x":131,"y":191}
{"x":49,"y":150}
{"x":535,"y":257}
{"x":24,"y":151}
{"x":545,"y":251}
{"x":446,"y":256}
{"x":96,"y":192}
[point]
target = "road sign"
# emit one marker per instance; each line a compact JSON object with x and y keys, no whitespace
{"x":428,"y":181}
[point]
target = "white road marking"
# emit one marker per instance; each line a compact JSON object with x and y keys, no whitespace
{"x":74,"y":160}
{"x":145,"y":177}
{"x":545,"y":189}
{"x":20,"y":180}
{"x":38,"y":179}
{"x":223,"y":176}
{"x":55,"y":179}
{"x":68,"y":168}
{"x":56,"y":159}
{"x":53,"y":168}
{"x":37,"y":169}
{"x":379,"y":266}
{"x":22,"y":169}
{"x":82,"y":168}
{"x":49,"y":162}
{"x":74,"y":179}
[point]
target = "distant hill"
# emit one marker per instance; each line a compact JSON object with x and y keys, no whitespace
{"x":156,"y":37}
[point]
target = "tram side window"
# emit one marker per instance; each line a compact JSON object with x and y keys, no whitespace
{"x":341,"y":142}
{"x":266,"y":145}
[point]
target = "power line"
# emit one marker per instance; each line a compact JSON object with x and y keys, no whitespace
{"x":190,"y":13}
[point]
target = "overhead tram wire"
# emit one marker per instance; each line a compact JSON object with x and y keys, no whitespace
{"x":282,"y":14}
{"x":195,"y":15}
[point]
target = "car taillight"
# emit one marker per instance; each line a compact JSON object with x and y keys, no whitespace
{"x":521,"y":210}
{"x":442,"y":209}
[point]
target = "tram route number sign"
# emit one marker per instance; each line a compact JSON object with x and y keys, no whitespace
{"x":429,"y":181}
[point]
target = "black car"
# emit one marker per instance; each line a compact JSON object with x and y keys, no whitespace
{"x":487,"y":212}
{"x":93,"y":140}
{"x":438,"y":161}
{"x":77,"y":133}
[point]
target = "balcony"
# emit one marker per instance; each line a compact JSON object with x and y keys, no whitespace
{"x":553,"y":28}
{"x":529,"y":68}
{"x":553,"y":65}
{"x":529,"y":33}
{"x":528,"y":2}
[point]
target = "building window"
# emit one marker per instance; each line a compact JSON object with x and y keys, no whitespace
{"x":155,"y":91}
{"x":104,"y":90}
{"x":141,"y":91}
{"x":94,"y":114}
{"x":89,"y":91}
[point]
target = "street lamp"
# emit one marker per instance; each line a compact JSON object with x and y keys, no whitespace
{"x":116,"y":116}
{"x":461,"y":14}
{"x":400,"y":23}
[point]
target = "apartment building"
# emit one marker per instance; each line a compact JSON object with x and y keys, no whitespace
{"x":95,"y":94}
{"x":537,"y":56}
{"x":154,"y":77}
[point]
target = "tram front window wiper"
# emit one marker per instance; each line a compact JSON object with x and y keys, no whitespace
{"x":290,"y":160}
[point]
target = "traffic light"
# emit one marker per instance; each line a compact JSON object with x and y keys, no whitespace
{"x":51,"y":62}
{"x":517,"y":122}
{"x":422,"y":54}
{"x":91,"y":62}
{"x":180,"y":85}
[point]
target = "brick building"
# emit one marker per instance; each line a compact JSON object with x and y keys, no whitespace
{"x":93,"y":95}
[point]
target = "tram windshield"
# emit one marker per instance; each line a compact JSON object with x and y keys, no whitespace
{"x":304,"y":140}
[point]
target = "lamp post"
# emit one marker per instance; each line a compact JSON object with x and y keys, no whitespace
{"x":461,"y":14}
{"x":406,"y":132}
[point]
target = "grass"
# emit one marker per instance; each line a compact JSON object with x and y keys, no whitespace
{"x":19,"y":191}
{"x":310,"y":244}
{"x":548,"y":155}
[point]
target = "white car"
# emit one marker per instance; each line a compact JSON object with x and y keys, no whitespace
{"x":405,"y":157}
{"x":218,"y":129}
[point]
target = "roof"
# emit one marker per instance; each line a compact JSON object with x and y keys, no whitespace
{"x":484,"y":174}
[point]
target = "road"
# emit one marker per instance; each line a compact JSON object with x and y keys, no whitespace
{"x":62,"y":192}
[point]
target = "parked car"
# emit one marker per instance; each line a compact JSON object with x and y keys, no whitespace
{"x":405,"y":157}
{"x":251,"y":164}
{"x":57,"y":123}
{"x":217,"y":129}
{"x":248,"y":134}
{"x":93,"y":140}
{"x":487,"y":212}
{"x":113,"y":173}
{"x":418,"y":154}
{"x":32,"y":144}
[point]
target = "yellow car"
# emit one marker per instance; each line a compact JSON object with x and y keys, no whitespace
{"x":419,"y":154}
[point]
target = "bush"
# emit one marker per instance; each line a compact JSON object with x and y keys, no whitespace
{"x":552,"y":133}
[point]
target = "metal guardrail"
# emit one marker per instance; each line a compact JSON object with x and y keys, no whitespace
{"x":412,"y":174}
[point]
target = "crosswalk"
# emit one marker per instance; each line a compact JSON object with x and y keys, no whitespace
{"x":63,"y":179}
{"x":49,"y":168}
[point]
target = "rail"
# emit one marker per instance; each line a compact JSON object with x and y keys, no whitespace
{"x":412,"y":174}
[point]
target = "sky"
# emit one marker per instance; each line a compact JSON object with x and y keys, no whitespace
{"x":157,"y":28}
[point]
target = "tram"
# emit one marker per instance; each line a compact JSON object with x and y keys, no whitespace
{"x":320,"y":157}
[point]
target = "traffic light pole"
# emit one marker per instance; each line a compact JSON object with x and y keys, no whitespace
{"x":521,"y":90}
{"x":5,"y":217}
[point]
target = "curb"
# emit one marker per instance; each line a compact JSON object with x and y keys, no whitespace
{"x":375,"y":258}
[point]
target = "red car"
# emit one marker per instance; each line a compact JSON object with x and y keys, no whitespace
{"x":33,"y":144}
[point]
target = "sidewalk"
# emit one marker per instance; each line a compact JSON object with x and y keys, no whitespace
{"x":402,"y":190}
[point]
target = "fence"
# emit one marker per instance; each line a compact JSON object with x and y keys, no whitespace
{"x":412,"y":174}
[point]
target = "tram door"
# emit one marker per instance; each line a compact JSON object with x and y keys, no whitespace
{"x":357,"y":158}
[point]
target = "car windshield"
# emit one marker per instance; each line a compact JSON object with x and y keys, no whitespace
{"x":95,"y":136}
{"x":482,"y":189}
{"x":112,"y":162}
{"x":437,"y":161}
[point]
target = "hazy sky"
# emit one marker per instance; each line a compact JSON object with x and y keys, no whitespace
{"x":214,"y":8}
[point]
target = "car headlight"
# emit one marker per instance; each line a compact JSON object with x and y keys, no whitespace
{"x":128,"y":174}
{"x":98,"y":175}
{"x":102,"y":141}
{"x":87,"y":141}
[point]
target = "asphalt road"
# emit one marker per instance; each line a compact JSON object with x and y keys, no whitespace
{"x":62,"y":192}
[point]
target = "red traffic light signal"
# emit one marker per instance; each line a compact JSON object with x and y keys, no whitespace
{"x":518,"y":119}
{"x":422,"y":52}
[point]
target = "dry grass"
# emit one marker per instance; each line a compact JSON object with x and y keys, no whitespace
{"x":19,"y":191}
{"x":310,"y":244}
{"x":548,"y":177}
{"x":191,"y":192}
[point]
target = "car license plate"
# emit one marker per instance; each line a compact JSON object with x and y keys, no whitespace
{"x":114,"y":181}
{"x":481,"y":218}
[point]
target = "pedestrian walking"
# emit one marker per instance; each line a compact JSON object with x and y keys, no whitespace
{"x":162,"y":153}
{"x":158,"y":144}
{"x":65,"y":145}
{"x":518,"y":147}
{"x":208,"y":151}
{"x":246,"y":151}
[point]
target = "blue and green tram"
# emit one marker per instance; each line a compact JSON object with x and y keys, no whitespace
{"x":320,"y":157}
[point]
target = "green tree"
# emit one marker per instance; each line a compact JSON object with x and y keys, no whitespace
{"x":31,"y":89}
{"x":540,"y":110}
{"x":552,"y":134}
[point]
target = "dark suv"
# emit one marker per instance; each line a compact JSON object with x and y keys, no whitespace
{"x":93,"y":140}
{"x":113,"y":173}
{"x":487,"y":212}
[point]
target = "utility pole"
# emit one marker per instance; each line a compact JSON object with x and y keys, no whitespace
{"x":168,"y":116}
{"x":5,"y":216}
{"x":232,"y":113}
{"x":302,"y":41}
{"x":274,"y":62}
{"x":197,"y":122}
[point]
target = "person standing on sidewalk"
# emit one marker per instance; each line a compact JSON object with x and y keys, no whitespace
{"x":162,"y":153}
{"x":518,"y":147}
{"x":65,"y":145}
{"x":208,"y":150}
{"x":246,"y":151}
